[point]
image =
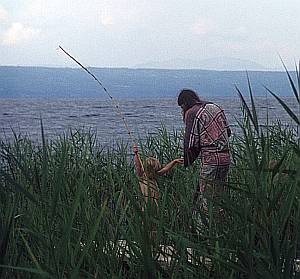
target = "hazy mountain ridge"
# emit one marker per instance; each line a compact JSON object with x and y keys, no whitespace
{"x":133,"y":83}
{"x":218,"y":63}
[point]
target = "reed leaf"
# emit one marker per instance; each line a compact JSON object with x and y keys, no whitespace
{"x":245,"y":106}
{"x":94,"y":230}
{"x":17,"y":186}
{"x":285,"y":106}
{"x":292,"y":84}
{"x":254,"y":114}
{"x":43,"y":274}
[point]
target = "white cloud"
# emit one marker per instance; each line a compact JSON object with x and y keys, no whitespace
{"x":116,"y":15}
{"x":18,"y":33}
{"x":3,"y":14}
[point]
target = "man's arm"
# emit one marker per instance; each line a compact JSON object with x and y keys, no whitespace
{"x":191,"y":139}
{"x":228,"y":131}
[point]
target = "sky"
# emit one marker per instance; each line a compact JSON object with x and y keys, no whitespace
{"x":126,"y":33}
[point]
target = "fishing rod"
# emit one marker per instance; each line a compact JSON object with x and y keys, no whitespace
{"x":114,"y":101}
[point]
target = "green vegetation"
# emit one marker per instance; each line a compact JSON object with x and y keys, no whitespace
{"x":65,"y":203}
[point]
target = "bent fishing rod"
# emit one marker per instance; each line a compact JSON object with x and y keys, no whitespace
{"x":114,"y":101}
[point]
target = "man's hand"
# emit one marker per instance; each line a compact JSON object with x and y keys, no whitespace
{"x":178,"y":161}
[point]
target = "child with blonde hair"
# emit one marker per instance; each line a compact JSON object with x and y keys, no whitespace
{"x":148,"y":173}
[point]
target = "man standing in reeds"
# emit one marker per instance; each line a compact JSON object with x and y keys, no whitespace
{"x":206,"y":136}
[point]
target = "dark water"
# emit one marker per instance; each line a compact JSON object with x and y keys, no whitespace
{"x":143,"y":116}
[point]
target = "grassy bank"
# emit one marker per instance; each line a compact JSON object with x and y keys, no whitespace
{"x":65,"y":203}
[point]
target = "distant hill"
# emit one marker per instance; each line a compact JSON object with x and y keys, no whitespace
{"x":133,"y":83}
{"x":218,"y":63}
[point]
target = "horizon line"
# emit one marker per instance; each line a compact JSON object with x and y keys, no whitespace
{"x":147,"y":68}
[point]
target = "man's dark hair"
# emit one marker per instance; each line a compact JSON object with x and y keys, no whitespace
{"x":188,"y":98}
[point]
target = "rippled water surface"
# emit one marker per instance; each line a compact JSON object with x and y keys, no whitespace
{"x":143,"y":115}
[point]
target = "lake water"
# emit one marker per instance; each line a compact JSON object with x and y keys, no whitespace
{"x":143,"y":115}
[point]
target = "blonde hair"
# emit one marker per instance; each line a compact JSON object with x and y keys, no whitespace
{"x":152,"y":166}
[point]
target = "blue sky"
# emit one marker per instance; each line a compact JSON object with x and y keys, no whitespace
{"x":119,"y":33}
